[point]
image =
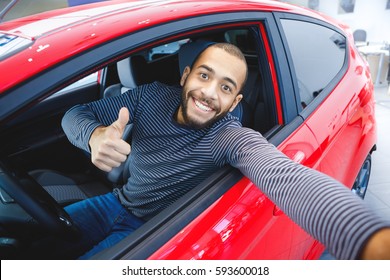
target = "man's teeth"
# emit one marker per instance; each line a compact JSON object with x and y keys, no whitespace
{"x":202,"y":106}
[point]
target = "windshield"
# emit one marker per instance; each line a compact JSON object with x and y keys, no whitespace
{"x":11,"y":44}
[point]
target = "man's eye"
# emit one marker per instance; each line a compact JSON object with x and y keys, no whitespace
{"x":204,"y":76}
{"x":226,"y":88}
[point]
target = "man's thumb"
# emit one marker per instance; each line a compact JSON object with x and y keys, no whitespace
{"x":123,"y":119}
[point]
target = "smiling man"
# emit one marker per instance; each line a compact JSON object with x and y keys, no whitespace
{"x":181,"y":136}
{"x":212,"y":88}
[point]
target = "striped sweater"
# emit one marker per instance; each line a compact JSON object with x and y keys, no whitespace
{"x":168,"y":159}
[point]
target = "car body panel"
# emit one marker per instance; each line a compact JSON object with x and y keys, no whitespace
{"x":344,"y":124}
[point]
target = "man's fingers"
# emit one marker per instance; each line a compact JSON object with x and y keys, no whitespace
{"x":103,"y":166}
{"x":123,"y":147}
{"x":106,"y":163}
{"x":114,"y":149}
{"x":111,"y":146}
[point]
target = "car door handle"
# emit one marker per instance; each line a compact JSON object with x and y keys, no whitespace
{"x":277,"y":211}
{"x":299,"y":156}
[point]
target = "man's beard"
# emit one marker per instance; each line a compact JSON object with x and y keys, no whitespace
{"x":193,"y":123}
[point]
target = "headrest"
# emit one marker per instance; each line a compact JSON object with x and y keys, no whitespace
{"x":125,"y":72}
{"x":189,"y":52}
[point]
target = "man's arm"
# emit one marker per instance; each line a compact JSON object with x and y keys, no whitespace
{"x":78,"y":124}
{"x":319,"y":204}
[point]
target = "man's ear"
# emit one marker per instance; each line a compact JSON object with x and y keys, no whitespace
{"x":184,"y":76}
{"x":235,"y":102}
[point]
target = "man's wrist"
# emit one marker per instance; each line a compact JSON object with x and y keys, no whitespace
{"x":377,"y":246}
{"x":95,"y":133}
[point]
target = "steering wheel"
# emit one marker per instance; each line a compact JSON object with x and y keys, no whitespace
{"x":37,"y":203}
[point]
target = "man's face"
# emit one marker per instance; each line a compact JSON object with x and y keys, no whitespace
{"x":211,"y":88}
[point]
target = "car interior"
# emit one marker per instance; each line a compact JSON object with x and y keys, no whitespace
{"x":36,"y":145}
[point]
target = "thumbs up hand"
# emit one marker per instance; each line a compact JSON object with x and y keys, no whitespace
{"x":108,"y":149}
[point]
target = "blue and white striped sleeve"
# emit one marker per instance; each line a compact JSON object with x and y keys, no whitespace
{"x":322,"y":206}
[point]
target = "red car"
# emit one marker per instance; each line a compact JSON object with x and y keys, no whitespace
{"x":309,"y":92}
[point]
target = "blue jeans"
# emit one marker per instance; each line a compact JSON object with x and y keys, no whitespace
{"x":103,"y":222}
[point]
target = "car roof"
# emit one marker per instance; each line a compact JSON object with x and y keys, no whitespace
{"x":48,"y":38}
{"x":54,"y":21}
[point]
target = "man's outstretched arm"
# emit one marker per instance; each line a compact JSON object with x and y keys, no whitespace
{"x":322,"y":206}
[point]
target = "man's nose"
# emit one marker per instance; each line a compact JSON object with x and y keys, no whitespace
{"x":210,"y":91}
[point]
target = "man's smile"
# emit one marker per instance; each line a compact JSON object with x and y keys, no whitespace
{"x":202,"y":105}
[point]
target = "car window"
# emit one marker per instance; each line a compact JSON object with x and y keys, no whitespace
{"x":11,"y":44}
{"x":90,"y":79}
{"x":318,"y":54}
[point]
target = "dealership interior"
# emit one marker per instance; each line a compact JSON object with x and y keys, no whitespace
{"x":366,"y":19}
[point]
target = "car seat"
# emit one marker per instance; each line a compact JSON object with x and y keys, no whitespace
{"x":128,"y":77}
